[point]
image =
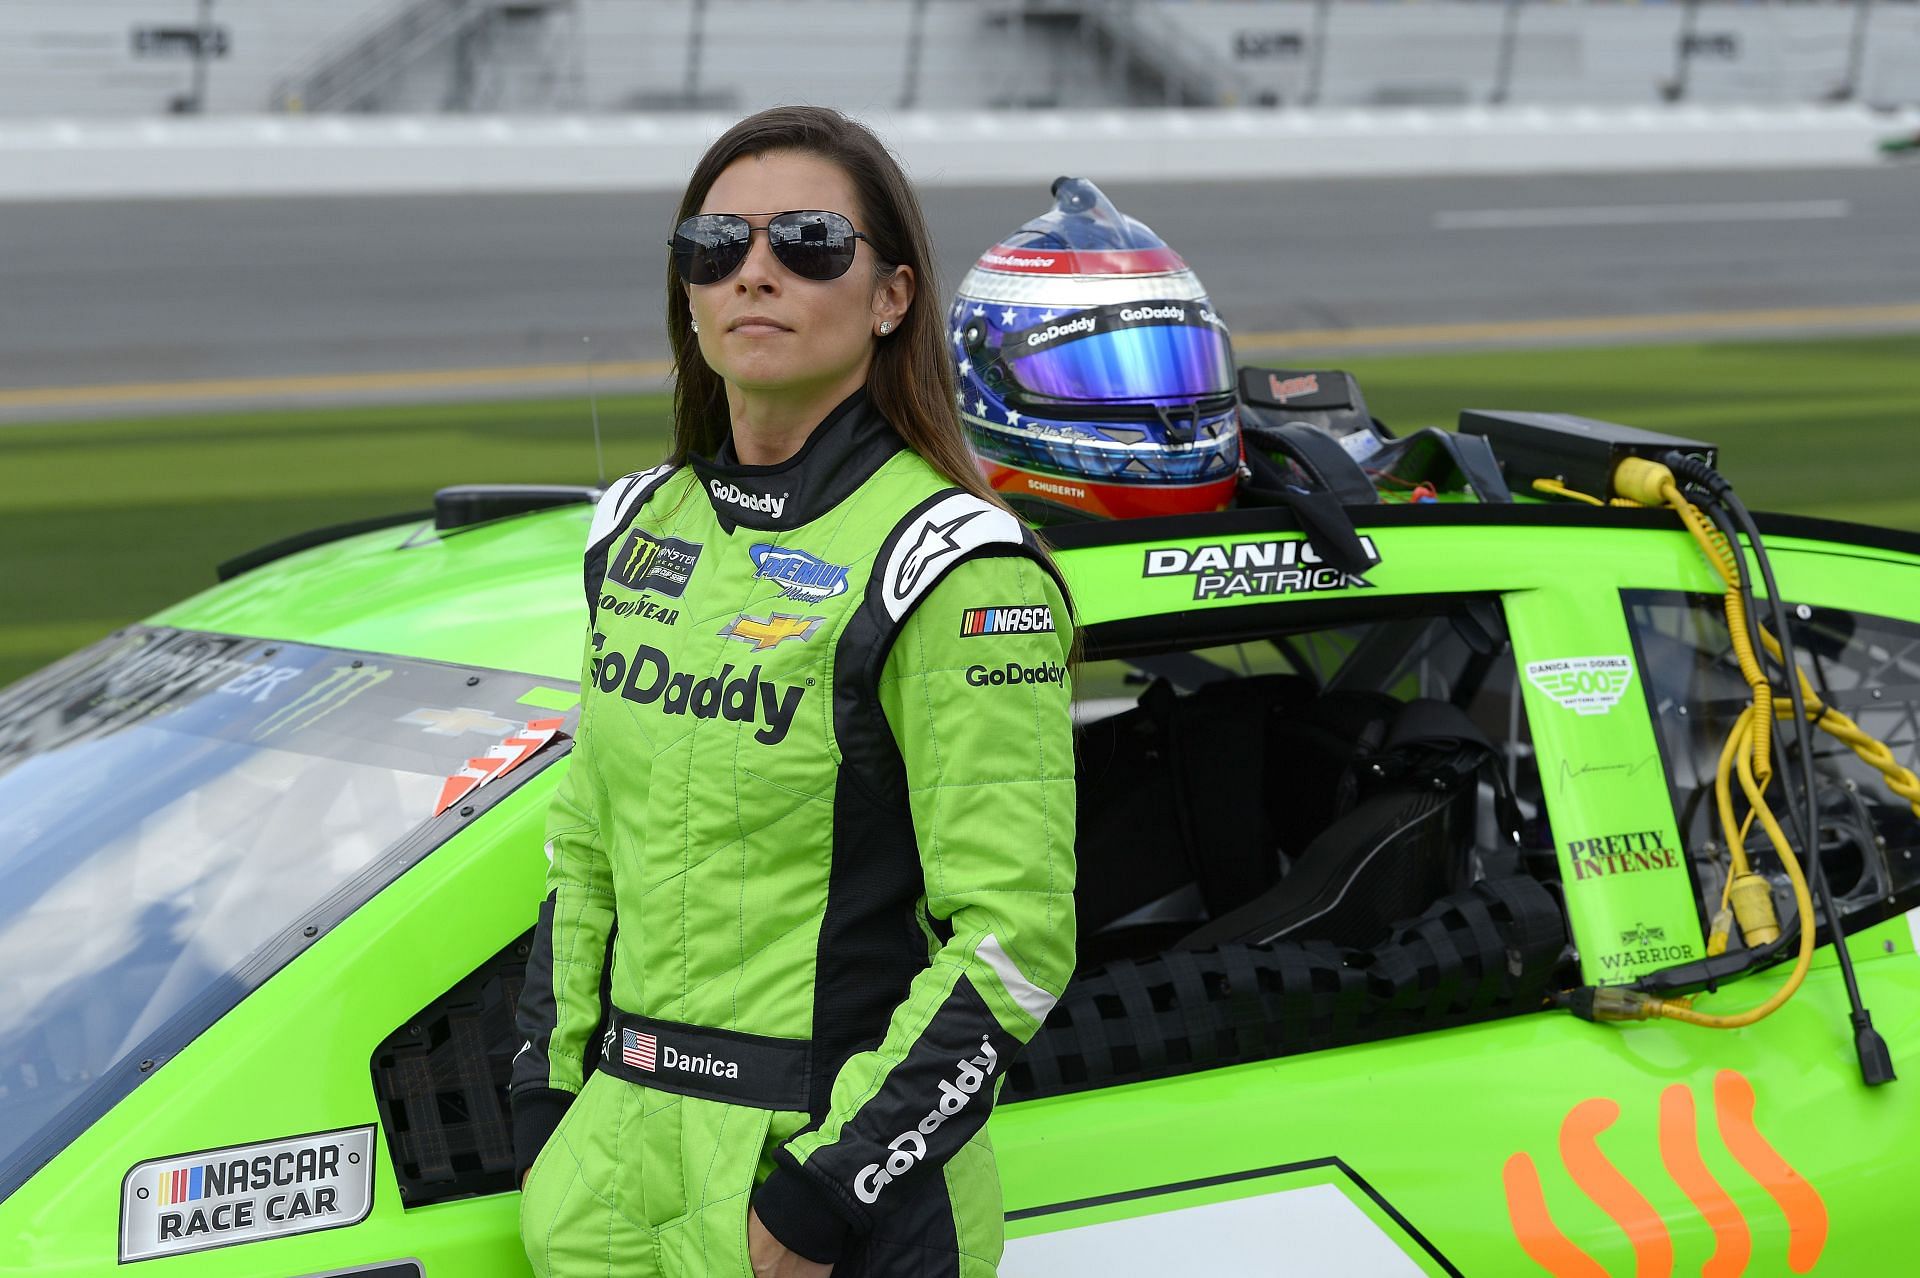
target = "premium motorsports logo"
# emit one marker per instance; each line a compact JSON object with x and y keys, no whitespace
{"x":1254,"y":568}
{"x":801,"y":576}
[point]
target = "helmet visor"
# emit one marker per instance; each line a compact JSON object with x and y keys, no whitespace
{"x":1133,"y":353}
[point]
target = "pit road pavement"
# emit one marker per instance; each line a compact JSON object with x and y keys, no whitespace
{"x":118,"y":309}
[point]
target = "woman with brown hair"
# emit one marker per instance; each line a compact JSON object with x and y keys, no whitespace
{"x":811,"y":864}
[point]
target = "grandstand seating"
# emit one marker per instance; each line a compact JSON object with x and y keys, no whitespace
{"x":113,"y":57}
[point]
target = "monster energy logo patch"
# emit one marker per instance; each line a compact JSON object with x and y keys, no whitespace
{"x":341,"y":685}
{"x":659,"y":564}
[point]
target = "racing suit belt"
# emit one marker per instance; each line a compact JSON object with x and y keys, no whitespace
{"x":712,"y":1064}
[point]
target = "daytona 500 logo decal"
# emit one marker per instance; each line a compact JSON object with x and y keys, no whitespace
{"x":1254,"y":568}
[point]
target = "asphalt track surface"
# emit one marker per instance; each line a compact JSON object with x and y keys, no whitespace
{"x":121,"y":308}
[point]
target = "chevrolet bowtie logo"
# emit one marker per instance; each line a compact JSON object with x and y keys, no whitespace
{"x":765,"y":632}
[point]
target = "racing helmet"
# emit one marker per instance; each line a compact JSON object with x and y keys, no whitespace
{"x":1093,"y":371}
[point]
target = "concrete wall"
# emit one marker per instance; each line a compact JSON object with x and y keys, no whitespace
{"x":338,"y":155}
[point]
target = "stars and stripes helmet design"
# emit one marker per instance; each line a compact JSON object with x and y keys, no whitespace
{"x":1093,"y":371}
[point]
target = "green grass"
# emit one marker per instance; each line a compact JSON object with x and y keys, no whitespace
{"x":104,"y":522}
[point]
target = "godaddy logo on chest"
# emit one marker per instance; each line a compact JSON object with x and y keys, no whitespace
{"x":647,"y":678}
{"x":910,"y":1146}
{"x":735,"y":495}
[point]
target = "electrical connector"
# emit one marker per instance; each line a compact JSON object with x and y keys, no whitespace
{"x":1720,"y":931}
{"x":1613,"y":1003}
{"x":1752,"y":898}
{"x":1641,"y":480}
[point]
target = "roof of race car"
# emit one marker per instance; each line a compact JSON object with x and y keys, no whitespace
{"x":506,"y":594}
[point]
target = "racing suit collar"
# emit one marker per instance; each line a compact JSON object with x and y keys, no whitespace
{"x":842,"y":453}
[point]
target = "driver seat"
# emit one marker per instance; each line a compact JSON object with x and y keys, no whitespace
{"x":1400,"y":847}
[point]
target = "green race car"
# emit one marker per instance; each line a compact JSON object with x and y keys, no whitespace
{"x":1386,"y":810}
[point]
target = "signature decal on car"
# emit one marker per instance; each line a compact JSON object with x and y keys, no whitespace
{"x":1616,"y":1195}
{"x":243,"y":1193}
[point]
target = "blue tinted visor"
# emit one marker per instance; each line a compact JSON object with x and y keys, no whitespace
{"x":1153,"y":362}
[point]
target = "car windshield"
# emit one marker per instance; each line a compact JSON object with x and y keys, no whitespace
{"x":178,"y":808}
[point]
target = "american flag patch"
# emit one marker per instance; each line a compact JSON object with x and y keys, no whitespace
{"x":637,"y":1049}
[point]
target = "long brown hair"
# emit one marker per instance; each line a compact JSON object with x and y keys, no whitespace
{"x":911,"y":379}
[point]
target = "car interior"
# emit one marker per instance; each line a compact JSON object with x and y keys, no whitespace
{"x":1298,"y":838}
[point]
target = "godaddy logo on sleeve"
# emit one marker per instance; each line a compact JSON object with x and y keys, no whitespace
{"x":910,"y":1147}
{"x":1015,"y":673}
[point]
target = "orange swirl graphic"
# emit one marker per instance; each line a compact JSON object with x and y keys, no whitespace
{"x":1799,"y":1202}
{"x":1611,"y":1192}
{"x":1539,"y":1237}
{"x":1680,"y":1151}
{"x":1547,"y":1246}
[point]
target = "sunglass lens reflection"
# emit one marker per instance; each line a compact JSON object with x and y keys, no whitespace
{"x":709,"y":247}
{"x":818,"y":246}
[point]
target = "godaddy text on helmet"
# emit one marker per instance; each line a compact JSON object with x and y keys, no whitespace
{"x":1053,"y":332}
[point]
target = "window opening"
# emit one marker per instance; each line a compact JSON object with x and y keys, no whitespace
{"x":1300,"y":838}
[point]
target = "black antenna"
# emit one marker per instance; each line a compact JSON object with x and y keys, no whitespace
{"x":593,"y":406}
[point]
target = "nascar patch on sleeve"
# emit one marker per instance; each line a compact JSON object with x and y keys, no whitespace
{"x":1026,"y":619}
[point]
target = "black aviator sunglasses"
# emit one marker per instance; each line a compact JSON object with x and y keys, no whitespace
{"x":812,"y":243}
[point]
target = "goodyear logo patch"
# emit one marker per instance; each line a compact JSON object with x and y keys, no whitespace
{"x":1032,"y":619}
{"x":243,"y":1193}
{"x":660,"y":564}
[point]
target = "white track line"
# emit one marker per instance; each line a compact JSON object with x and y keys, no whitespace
{"x":1640,"y":215}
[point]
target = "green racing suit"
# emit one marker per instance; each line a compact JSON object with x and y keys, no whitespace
{"x":811,"y":869}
